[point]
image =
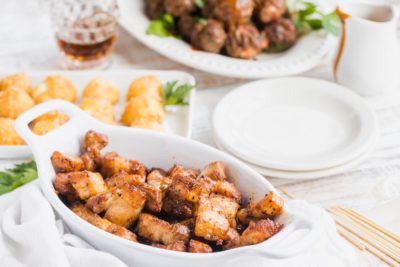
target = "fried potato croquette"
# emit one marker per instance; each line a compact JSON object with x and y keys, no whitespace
{"x":160,"y":231}
{"x":102,"y":88}
{"x":142,"y":108}
{"x":54,"y":87}
{"x":8,"y":134}
{"x":150,"y":125}
{"x":13,"y":102}
{"x":17,"y":81}
{"x":48,"y":122}
{"x":147,"y":86}
{"x":99,"y":108}
{"x":103,"y":224}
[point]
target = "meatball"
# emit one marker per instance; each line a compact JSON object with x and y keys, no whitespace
{"x":209,"y":37}
{"x":178,"y":8}
{"x":154,"y":8}
{"x":54,"y":87}
{"x":47,"y":122}
{"x":281,"y":34}
{"x":14,"y":102}
{"x":232,"y":12}
{"x":17,"y":81}
{"x":245,"y":42}
{"x":103,"y":89}
{"x":99,"y":108}
{"x":8,"y":134}
{"x":186,"y":24}
{"x":270,"y":10}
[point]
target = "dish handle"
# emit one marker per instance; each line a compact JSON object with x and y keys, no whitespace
{"x":22,"y":123}
{"x":301,"y":234}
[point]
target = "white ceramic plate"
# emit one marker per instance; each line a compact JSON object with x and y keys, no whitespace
{"x":294,"y":124}
{"x":306,"y":54}
{"x":177,"y":121}
{"x":305,"y":175}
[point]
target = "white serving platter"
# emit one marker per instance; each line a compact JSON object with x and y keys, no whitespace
{"x":303,"y":56}
{"x":178,"y":120}
{"x":294,"y":124}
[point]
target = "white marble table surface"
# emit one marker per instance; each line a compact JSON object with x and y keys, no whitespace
{"x":373,"y":188}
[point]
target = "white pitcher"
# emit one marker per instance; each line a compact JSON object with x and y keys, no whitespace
{"x":367,"y":60}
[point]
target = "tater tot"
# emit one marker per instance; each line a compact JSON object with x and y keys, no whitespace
{"x":142,"y":109}
{"x":17,"y":81}
{"x":48,"y":122}
{"x":13,"y":102}
{"x":99,"y":108}
{"x":149,"y":86}
{"x":8,"y":134}
{"x":151,"y":125}
{"x":54,"y":87}
{"x":102,"y":88}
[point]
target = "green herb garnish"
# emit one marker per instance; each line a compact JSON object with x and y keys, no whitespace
{"x":199,"y":3}
{"x":21,"y":174}
{"x":176,"y":95}
{"x":162,"y":27}
{"x":308,"y":18}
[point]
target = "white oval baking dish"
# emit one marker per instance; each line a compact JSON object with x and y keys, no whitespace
{"x":158,"y":150}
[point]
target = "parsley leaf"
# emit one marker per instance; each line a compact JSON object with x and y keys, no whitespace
{"x":176,"y":95}
{"x":21,"y":174}
{"x":162,"y":27}
{"x":199,"y":3}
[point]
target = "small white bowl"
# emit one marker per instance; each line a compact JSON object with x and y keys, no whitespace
{"x":158,"y":150}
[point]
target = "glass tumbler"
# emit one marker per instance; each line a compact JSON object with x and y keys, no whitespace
{"x":86,"y":32}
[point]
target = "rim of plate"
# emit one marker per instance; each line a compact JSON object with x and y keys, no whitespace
{"x":359,"y":144}
{"x":304,"y":175}
{"x":309,"y":50}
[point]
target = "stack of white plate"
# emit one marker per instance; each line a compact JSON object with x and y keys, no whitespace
{"x":298,"y":128}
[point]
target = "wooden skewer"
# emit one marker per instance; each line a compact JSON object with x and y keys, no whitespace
{"x":370,"y":223}
{"x":390,"y":244}
{"x":365,"y":246}
{"x":364,"y":235}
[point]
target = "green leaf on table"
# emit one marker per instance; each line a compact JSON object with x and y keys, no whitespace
{"x":331,"y":23}
{"x":176,"y":95}
{"x":162,"y":27}
{"x":21,"y":174}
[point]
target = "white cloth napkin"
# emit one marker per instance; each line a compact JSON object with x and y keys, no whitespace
{"x":32,"y":236}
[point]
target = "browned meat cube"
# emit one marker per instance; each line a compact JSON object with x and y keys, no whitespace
{"x":64,"y":188}
{"x":176,"y":246}
{"x":103,"y":224}
{"x":94,"y":139}
{"x":121,"y":178}
{"x":269,"y":206}
{"x":158,"y":179}
{"x":255,"y":233}
{"x":215,"y":170}
{"x":87,"y":184}
{"x":179,"y":170}
{"x":227,"y":189}
{"x":113,"y":163}
{"x":160,"y":231}
{"x":199,"y":247}
{"x":92,"y":159}
{"x":175,"y":206}
{"x":215,"y":215}
{"x":126,"y":206}
{"x":65,"y":163}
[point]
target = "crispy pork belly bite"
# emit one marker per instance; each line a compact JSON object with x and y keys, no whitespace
{"x":269,"y":206}
{"x":176,"y":246}
{"x":214,"y":218}
{"x":160,"y":231}
{"x":87,"y":184}
{"x":113,"y":163}
{"x":122,"y":205}
{"x":227,"y":189}
{"x":64,"y":163}
{"x":199,"y":247}
{"x":64,"y":188}
{"x":215,"y":170}
{"x":103,"y":224}
{"x":255,"y":233}
{"x":158,"y":179}
{"x":178,"y":170}
{"x":94,"y":139}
